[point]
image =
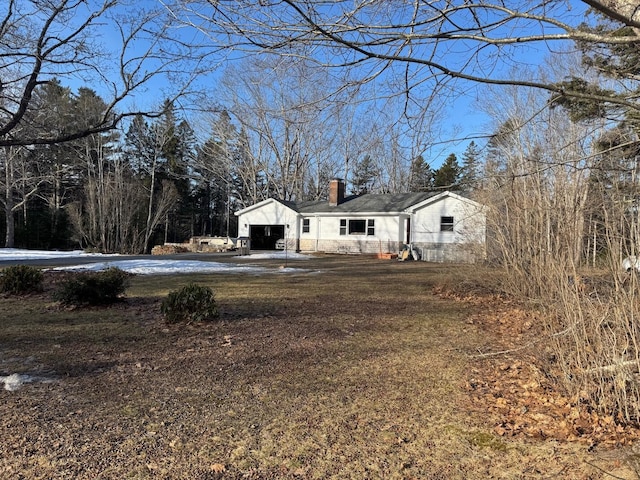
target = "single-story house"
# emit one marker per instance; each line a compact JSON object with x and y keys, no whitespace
{"x":441,"y":226}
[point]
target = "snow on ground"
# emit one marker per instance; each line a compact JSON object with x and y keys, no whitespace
{"x":21,"y":254}
{"x":163,"y":267}
{"x":154,"y":266}
{"x":279,"y":255}
{"x":15,"y":381}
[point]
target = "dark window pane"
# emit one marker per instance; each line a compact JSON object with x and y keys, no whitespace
{"x":446,"y":224}
{"x":357,"y":227}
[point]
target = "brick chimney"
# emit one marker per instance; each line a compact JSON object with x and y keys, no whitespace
{"x":336,"y":192}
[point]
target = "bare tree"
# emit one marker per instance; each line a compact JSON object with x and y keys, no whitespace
{"x":117,"y":47}
{"x":536,"y":183}
{"x":19,"y":184}
{"x":290,"y":121}
{"x":557,"y":190}
{"x":118,"y":212}
{"x":107,"y":217}
{"x":41,"y":41}
{"x":418,"y":47}
{"x":147,"y":152}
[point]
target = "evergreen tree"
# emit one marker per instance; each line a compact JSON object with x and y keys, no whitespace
{"x":470,"y":169}
{"x":447,"y":177}
{"x":216,"y":176}
{"x":616,"y":60}
{"x":138,"y":146}
{"x":363,"y":176}
{"x":180,"y":152}
{"x":165,"y":126}
{"x":52,"y":174}
{"x":421,"y":176}
{"x":615,"y":189}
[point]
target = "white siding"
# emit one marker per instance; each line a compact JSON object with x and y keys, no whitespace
{"x":466,"y":243}
{"x":324,"y":234}
{"x":269,"y":212}
{"x":468,"y":217}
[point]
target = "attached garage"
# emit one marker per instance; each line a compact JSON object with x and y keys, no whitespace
{"x":267,"y":222}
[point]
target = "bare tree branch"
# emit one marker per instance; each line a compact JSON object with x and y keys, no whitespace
{"x":113,"y":46}
{"x":438,"y":40}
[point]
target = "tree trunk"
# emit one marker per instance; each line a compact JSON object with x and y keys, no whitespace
{"x":148,"y":230}
{"x":9,"y":241}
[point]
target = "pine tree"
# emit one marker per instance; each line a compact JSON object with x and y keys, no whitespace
{"x":447,"y":177}
{"x":215,"y":172}
{"x":147,"y":148}
{"x":420,"y":175}
{"x":470,"y":170}
{"x":363,"y":176}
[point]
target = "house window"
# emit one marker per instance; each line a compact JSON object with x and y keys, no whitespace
{"x":357,"y":227}
{"x":305,"y":225}
{"x":446,"y":224}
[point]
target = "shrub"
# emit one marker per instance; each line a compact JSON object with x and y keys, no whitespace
{"x":192,"y":303}
{"x":93,"y":288}
{"x":21,"y":279}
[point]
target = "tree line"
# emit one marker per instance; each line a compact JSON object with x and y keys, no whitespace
{"x":157,"y":180}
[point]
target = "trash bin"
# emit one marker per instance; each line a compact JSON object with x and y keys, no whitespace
{"x":243,"y":245}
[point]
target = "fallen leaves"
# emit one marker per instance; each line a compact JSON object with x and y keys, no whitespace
{"x":508,"y":382}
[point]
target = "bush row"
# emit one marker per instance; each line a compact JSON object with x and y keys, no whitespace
{"x":191,"y":303}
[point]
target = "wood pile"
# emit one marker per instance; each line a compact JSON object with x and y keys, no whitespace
{"x":168,"y":249}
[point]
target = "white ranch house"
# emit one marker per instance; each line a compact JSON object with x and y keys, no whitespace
{"x":442,"y":226}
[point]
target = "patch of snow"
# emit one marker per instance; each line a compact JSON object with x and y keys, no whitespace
{"x":165,"y":267}
{"x":275,"y":256}
{"x":150,"y":266}
{"x":22,"y":254}
{"x":14,"y":381}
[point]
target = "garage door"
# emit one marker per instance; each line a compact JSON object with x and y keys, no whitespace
{"x":264,"y":237}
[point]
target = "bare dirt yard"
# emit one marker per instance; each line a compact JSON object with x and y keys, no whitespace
{"x":353,"y":368}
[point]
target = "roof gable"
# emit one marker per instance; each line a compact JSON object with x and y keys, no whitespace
{"x":255,"y":206}
{"x":431,"y":200}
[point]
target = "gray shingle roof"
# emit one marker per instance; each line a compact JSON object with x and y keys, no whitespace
{"x":370,"y":202}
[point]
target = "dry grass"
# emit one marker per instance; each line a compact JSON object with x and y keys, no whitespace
{"x":353,"y":370}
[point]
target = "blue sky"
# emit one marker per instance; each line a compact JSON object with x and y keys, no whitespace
{"x":461,"y":121}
